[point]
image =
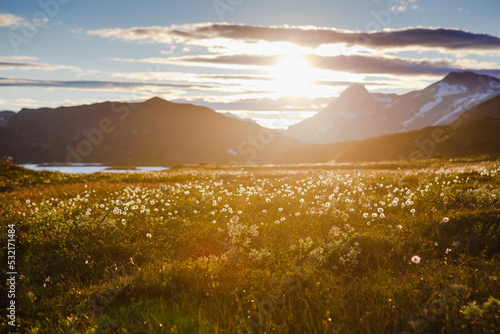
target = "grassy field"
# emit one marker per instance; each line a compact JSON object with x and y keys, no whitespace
{"x":367,"y":248}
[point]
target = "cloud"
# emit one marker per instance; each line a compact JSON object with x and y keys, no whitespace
{"x":26,"y":103}
{"x":413,"y":38}
{"x":382,"y":65}
{"x":352,"y":63}
{"x":90,"y":84}
{"x":9,"y":65}
{"x":17,"y":58}
{"x":158,"y":76}
{"x":11,"y":21}
{"x":403,"y":5}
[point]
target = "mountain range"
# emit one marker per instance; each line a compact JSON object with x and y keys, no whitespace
{"x":474,"y":132}
{"x":457,"y":116}
{"x":356,"y":114}
{"x":153,"y":132}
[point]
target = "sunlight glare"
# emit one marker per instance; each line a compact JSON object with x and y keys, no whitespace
{"x":293,"y":76}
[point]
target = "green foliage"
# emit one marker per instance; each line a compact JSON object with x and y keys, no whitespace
{"x":320,"y":249}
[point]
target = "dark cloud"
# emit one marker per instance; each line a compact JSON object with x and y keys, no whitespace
{"x":34,"y":66}
{"x":382,"y":65}
{"x":3,"y":65}
{"x":444,"y":38}
{"x":93,"y":84}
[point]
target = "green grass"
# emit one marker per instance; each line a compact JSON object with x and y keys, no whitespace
{"x":292,"y":249}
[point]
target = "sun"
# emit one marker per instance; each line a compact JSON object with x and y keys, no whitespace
{"x":293,"y":76}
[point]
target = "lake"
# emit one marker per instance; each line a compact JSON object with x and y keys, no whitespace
{"x":91,"y":168}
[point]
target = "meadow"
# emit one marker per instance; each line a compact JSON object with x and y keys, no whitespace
{"x":336,"y":248}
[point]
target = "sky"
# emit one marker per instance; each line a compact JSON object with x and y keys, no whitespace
{"x":276,"y":62}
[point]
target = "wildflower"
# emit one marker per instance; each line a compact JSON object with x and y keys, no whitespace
{"x":365,"y":215}
{"x":446,"y":219}
{"x":412,"y":210}
{"x":415,"y":259}
{"x":148,"y":235}
{"x":400,"y":227}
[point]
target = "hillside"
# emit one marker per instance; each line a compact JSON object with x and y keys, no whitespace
{"x":490,"y":108}
{"x":479,"y":136}
{"x":153,"y":132}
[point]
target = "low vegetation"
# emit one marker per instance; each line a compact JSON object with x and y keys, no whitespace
{"x":367,"y":248}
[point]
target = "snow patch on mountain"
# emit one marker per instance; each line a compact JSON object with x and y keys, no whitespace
{"x":445,"y":89}
{"x":462,"y":106}
{"x":495,"y":85}
{"x":429,"y":106}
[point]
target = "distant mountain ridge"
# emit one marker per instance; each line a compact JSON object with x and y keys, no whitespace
{"x":356,"y":114}
{"x":459,"y":115}
{"x":475,"y":132}
{"x":152,"y":132}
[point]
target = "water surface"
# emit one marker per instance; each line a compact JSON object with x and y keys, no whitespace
{"x":91,"y":168}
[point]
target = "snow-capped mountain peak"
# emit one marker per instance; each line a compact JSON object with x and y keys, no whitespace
{"x":356,"y":114}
